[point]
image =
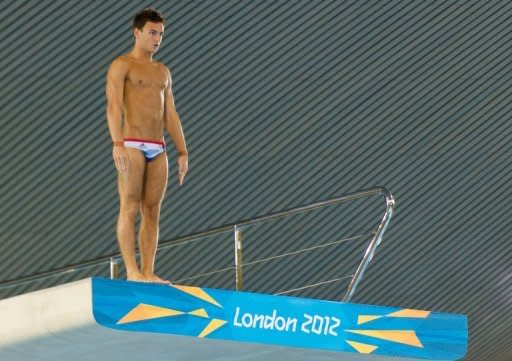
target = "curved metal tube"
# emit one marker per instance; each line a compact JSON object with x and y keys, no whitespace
{"x":370,"y":250}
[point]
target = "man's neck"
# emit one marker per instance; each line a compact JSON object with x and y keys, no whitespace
{"x":139,"y":54}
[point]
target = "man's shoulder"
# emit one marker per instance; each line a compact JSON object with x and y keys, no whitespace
{"x":162,"y":66}
{"x":120,"y":63}
{"x":121,"y":60}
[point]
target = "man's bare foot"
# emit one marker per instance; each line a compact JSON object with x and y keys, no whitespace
{"x":155,"y":279}
{"x":136,"y":277}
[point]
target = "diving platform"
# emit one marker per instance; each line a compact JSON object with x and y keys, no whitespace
{"x":102,"y":319}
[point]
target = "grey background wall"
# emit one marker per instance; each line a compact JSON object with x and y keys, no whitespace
{"x":283,"y":103}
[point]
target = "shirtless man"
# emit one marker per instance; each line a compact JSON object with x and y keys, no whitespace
{"x":140,"y":106}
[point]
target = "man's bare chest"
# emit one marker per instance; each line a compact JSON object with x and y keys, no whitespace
{"x":147,"y":76}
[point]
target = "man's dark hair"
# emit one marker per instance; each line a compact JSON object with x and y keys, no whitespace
{"x":142,"y":17}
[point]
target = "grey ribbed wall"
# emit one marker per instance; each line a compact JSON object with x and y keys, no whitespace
{"x":283,"y":103}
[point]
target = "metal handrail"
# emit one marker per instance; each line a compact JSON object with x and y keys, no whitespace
{"x":238,"y":235}
{"x":370,"y":251}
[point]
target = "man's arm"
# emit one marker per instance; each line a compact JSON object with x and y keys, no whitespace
{"x":173,"y":125}
{"x":115,"y":90}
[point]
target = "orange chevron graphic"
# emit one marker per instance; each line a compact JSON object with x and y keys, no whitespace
{"x":197,"y":292}
{"x":408,"y":313}
{"x":406,"y":337}
{"x":147,"y":312}
{"x":366,"y":318}
{"x":212,"y":326}
{"x":362,"y":347}
{"x":201,"y":312}
{"x":405,"y":313}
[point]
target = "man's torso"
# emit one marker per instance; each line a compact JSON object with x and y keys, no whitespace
{"x":144,"y":99}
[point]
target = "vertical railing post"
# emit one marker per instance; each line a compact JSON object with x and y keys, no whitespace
{"x":238,"y":257}
{"x":114,"y":267}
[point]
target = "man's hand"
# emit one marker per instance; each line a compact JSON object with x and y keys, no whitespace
{"x":182,"y":167}
{"x":120,"y":158}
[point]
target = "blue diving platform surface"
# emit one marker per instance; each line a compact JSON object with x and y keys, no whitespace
{"x":101,"y":319}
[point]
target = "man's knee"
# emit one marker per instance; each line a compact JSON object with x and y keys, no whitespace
{"x":150,"y":211}
{"x":129,"y":208}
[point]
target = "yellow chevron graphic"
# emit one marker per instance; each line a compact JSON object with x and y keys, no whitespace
{"x":197,"y":292}
{"x":212,"y":326}
{"x":362,"y":347}
{"x":399,"y":336}
{"x":201,"y":312}
{"x":408,"y":313}
{"x":366,"y":318}
{"x":147,"y":312}
{"x":405,"y":313}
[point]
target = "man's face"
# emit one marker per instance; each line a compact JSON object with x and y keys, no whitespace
{"x":150,"y":37}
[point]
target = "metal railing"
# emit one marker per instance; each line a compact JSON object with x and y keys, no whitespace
{"x":238,"y":231}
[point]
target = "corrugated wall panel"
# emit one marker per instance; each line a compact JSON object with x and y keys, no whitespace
{"x":283,"y":103}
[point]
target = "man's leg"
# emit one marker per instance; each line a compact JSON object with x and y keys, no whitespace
{"x":130,"y":195}
{"x":155,"y":184}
